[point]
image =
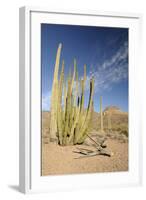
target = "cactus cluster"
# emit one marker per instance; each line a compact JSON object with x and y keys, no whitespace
{"x":70,"y":120}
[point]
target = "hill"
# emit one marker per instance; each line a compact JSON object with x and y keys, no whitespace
{"x":113,"y":118}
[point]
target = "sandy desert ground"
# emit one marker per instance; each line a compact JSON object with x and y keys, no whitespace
{"x":62,"y":160}
{"x":57,"y":160}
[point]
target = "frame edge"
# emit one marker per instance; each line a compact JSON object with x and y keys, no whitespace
{"x":24,"y":103}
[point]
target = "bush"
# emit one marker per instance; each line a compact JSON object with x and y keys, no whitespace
{"x":125,"y":132}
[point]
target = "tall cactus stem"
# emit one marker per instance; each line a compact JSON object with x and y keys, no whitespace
{"x":101,"y":115}
{"x":53,"y":120}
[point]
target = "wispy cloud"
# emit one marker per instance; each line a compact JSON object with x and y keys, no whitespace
{"x":112,"y":70}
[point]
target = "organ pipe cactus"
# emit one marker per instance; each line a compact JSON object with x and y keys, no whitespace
{"x":69,"y":118}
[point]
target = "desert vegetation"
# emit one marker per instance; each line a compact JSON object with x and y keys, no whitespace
{"x":70,"y":120}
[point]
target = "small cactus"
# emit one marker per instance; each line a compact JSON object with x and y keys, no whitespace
{"x":101,"y":115}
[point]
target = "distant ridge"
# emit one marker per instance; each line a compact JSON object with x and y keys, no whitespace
{"x":112,"y":109}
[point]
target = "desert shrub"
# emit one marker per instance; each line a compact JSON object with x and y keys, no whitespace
{"x":125,"y":132}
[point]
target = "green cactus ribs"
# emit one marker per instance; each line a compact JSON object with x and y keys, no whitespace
{"x":70,"y":118}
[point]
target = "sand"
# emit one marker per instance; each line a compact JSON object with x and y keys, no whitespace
{"x":57,"y":160}
{"x":61,"y":159}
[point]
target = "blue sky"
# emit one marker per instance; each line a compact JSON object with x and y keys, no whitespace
{"x":103,"y":50}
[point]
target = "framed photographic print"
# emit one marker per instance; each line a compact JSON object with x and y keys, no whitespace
{"x":79,"y":100}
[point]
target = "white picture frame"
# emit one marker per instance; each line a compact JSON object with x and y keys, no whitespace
{"x":29,"y":160}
